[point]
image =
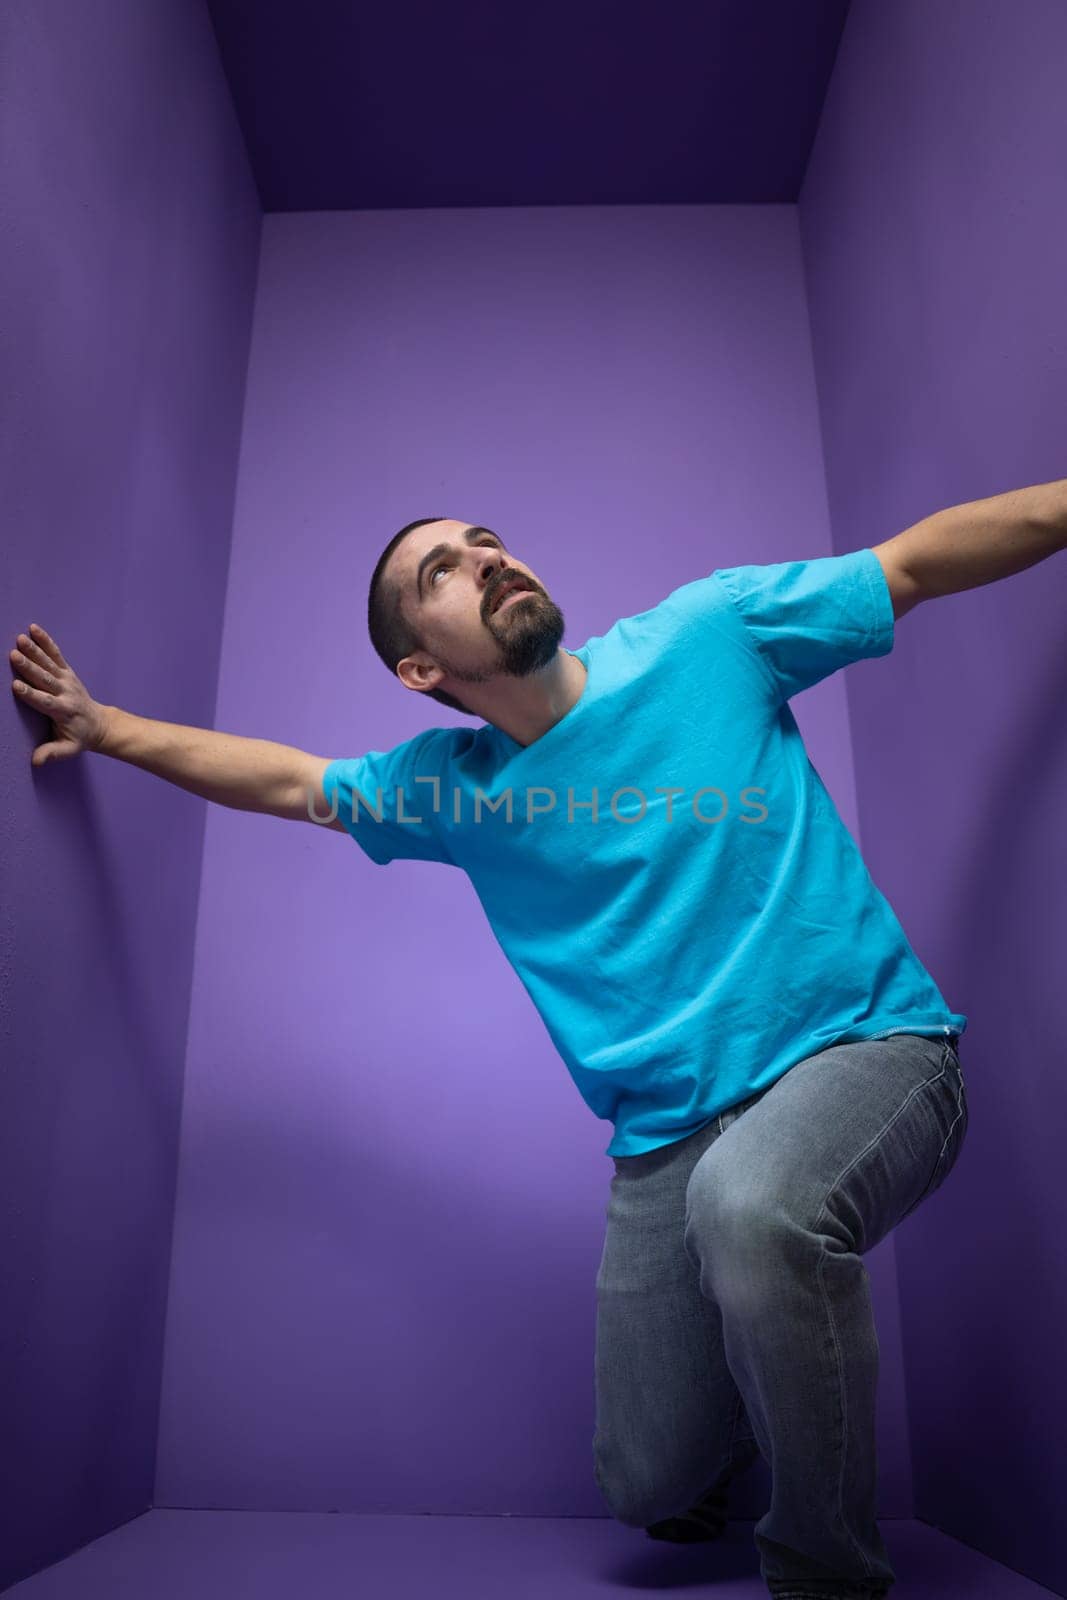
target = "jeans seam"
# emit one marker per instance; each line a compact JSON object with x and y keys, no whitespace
{"x":828,"y":1308}
{"x":878,"y":1137}
{"x":842,"y":1445}
{"x":946,"y":1054}
{"x":733,"y":1435}
{"x":955,"y":1120}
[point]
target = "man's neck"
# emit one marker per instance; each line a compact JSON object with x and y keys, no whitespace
{"x":525,"y":708}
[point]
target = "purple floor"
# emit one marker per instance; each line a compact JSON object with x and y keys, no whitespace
{"x":264,"y":1555}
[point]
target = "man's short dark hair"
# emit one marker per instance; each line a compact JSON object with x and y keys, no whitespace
{"x":390,"y":633}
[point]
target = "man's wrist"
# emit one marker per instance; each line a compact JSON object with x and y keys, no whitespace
{"x":104,"y":726}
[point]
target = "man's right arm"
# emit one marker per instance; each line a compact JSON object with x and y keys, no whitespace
{"x":245,"y":774}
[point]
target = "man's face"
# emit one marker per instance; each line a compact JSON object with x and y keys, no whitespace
{"x":457,"y":581}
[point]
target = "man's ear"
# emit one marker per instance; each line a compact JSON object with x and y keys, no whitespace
{"x":419,"y":671}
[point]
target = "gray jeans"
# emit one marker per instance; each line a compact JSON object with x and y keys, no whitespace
{"x":733,"y":1310}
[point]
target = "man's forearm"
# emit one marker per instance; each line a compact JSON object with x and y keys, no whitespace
{"x":980,"y":541}
{"x":247,"y":774}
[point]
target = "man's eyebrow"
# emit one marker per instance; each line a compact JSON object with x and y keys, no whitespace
{"x":439,"y":550}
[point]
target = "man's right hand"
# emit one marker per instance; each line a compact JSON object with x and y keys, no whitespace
{"x":50,"y":685}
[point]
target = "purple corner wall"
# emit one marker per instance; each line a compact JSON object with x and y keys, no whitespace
{"x":130,"y":236}
{"x":934,"y":227}
{"x":391,"y":1197}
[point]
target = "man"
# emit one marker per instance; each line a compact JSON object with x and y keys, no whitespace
{"x":670,"y":880}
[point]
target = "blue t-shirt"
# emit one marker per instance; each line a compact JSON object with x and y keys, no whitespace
{"x":711,"y":922}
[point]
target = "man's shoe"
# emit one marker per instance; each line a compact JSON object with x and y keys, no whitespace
{"x":704,"y":1521}
{"x":851,"y":1592}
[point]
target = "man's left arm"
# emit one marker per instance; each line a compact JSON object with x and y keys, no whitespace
{"x":978,"y":542}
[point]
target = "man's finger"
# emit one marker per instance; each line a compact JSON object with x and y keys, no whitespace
{"x":45,"y":640}
{"x":38,"y":673}
{"x":33,"y":697}
{"x":47,"y":752}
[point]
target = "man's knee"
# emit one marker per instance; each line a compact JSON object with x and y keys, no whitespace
{"x":632,"y":1507}
{"x":660,"y":1515}
{"x":629,"y":1510}
{"x":739,"y":1234}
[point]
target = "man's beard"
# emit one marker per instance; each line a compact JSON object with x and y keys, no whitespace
{"x":527,"y":642}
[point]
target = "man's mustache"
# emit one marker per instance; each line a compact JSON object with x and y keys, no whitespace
{"x":525,"y":584}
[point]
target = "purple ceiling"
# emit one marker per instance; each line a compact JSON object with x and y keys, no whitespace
{"x":347,"y":106}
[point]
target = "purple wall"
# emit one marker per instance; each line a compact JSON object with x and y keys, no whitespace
{"x":392,"y":1200}
{"x":935,"y":246}
{"x":130,"y":234}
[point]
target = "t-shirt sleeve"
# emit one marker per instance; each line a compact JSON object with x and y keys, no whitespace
{"x":808,"y":618}
{"x":392,"y":826}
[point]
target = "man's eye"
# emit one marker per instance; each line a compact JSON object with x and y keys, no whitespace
{"x":490,"y":544}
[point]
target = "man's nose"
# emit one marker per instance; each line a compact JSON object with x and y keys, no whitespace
{"x":491,"y":566}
